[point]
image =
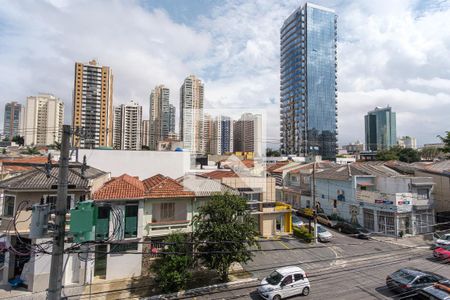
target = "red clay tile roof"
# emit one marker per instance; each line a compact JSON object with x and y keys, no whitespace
{"x":152,"y":181}
{"x":31,"y":159}
{"x":249,"y":163}
{"x":219,"y":174}
{"x":122,"y":187}
{"x":127,"y":187}
{"x":168,"y":188}
{"x":277,"y":165}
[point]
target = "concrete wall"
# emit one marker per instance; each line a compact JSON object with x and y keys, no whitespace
{"x":441,"y":190}
{"x":138,"y":163}
{"x":124,"y":265}
{"x":266,"y":184}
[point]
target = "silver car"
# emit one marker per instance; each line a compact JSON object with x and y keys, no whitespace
{"x":283,"y":283}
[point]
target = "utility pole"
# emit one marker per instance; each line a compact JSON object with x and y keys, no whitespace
{"x":314,"y":200}
{"x":56,"y":268}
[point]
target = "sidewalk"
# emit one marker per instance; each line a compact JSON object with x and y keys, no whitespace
{"x":418,"y":241}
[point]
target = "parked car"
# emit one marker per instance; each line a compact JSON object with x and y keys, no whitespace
{"x":357,"y":231}
{"x":438,"y":291}
{"x":324,"y":220}
{"x":323,"y":235}
{"x":296,"y":221}
{"x":440,"y":241}
{"x":284,"y":282}
{"x":409,"y":279}
{"x":442,"y":253}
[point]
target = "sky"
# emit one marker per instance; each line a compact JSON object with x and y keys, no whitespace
{"x":392,"y":53}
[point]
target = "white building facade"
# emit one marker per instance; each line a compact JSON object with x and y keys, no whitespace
{"x":44,"y":117}
{"x":191,"y":114}
{"x":127,"y":126}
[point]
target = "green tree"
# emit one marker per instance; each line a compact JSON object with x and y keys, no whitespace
{"x":272,"y":153}
{"x":409,"y":155}
{"x":31,"y":150}
{"x":224,"y":232}
{"x":173,"y":269}
{"x":430,"y":153}
{"x":446,"y":140}
{"x":387,"y":155}
{"x":19,"y":140}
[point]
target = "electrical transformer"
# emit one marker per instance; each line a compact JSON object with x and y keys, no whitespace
{"x":83,"y":220}
{"x":39,"y":220}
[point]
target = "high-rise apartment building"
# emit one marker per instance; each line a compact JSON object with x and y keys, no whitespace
{"x":407,"y":142}
{"x":159,"y":115}
{"x":93,"y":105}
{"x":172,"y":114}
{"x":44,"y":118}
{"x":145,"y":133}
{"x":308,"y":104}
{"x":218,"y":134}
{"x":247,"y":134}
{"x":127,"y":126}
{"x":191,"y":114}
{"x":381,"y":129}
{"x":13,"y":120}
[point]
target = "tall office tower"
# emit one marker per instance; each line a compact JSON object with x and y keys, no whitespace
{"x":191,"y":114}
{"x":44,"y":118}
{"x":381,"y":129}
{"x":159,"y":115}
{"x":247,"y":134}
{"x":172,"y":113}
{"x":127,"y":126}
{"x":308,"y":103}
{"x":93,"y":105}
{"x":145,"y":133}
{"x":13,"y":120}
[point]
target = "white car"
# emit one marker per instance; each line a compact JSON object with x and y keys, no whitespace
{"x":440,"y":241}
{"x":323,"y":235}
{"x":296,"y":221}
{"x":284,"y":282}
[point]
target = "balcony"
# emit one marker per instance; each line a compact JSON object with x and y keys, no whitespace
{"x":165,"y":228}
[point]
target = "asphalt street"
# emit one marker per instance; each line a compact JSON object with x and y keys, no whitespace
{"x":345,"y":268}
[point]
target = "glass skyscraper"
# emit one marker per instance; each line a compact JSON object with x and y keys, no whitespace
{"x":381,"y":129}
{"x":308,"y":100}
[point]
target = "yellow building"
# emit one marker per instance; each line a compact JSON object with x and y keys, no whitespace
{"x":93,"y":105}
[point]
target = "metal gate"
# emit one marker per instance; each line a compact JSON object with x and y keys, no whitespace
{"x":369,"y":219}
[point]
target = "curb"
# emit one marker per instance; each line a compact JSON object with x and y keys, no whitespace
{"x":201,"y":289}
{"x":421,"y":246}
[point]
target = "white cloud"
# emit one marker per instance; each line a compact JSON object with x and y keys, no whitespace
{"x":388,"y":53}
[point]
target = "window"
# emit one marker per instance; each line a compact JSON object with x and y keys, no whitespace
{"x":9,"y":206}
{"x":131,"y":212}
{"x":298,"y":277}
{"x":51,"y":199}
{"x":334,"y":203}
{"x":167,"y":211}
{"x":120,"y":248}
{"x":287,"y":280}
{"x":423,"y":194}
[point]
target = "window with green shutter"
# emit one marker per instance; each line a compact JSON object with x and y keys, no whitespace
{"x":131,"y":212}
{"x":102,"y":227}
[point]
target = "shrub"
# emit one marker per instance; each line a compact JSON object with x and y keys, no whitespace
{"x":303,"y":233}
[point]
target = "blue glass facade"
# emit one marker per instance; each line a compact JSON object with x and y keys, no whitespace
{"x":226,"y":134}
{"x":381,"y":129}
{"x":308,"y":82}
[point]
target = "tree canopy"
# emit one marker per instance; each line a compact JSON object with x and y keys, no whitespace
{"x":173,"y":269}
{"x":408,"y":155}
{"x":446,"y":140}
{"x":224,"y":232}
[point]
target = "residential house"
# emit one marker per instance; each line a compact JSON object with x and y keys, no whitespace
{"x":440,"y":172}
{"x":273,"y":218}
{"x":152,"y":209}
{"x":18,"y":194}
